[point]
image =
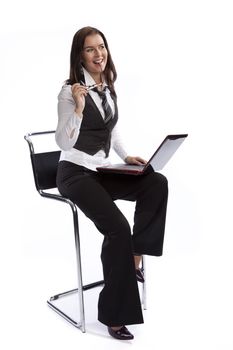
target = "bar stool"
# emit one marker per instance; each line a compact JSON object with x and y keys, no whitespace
{"x":44,"y":166}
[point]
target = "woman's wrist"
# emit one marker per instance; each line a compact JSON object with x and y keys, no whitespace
{"x":126,"y":160}
{"x":79,"y":113}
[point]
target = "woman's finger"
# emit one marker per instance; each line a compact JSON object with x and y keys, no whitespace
{"x":141,"y":160}
{"x":78,"y":88}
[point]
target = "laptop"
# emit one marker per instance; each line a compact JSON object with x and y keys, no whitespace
{"x":158,"y":160}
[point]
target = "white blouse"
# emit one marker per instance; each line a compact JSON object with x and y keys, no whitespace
{"x":68,"y":128}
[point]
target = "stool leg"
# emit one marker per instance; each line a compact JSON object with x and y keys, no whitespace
{"x":79,"y":320}
{"x":144,"y":301}
{"x":79,"y":267}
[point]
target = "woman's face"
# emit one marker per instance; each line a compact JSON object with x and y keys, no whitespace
{"x":95,"y":55}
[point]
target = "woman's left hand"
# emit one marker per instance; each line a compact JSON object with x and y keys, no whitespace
{"x":135,"y":160}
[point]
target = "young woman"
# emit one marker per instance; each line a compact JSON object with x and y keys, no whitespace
{"x":87,"y":129}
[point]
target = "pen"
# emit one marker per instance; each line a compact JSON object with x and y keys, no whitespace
{"x":93,"y":86}
{"x":90,"y":87}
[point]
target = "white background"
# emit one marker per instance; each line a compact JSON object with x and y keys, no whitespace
{"x":174,"y":62}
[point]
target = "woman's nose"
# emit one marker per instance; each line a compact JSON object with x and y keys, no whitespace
{"x":98,"y":52}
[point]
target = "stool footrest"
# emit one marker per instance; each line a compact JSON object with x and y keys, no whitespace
{"x":86,"y":287}
{"x":52,"y":303}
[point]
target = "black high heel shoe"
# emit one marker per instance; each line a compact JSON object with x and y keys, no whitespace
{"x":122,"y":334}
{"x":140,"y":275}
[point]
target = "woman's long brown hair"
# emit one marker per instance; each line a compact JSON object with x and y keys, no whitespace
{"x":76,"y":74}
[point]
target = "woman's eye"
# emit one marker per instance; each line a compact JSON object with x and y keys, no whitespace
{"x":92,"y":49}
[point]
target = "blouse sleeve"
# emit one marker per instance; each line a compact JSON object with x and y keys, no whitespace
{"x":117,"y":144}
{"x":69,"y":122}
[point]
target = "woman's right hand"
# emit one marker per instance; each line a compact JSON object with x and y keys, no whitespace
{"x":79,"y":92}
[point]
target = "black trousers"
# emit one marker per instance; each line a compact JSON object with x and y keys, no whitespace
{"x":94,"y":193}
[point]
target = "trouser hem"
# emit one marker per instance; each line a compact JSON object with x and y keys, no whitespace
{"x":118,"y":323}
{"x":151,"y":253}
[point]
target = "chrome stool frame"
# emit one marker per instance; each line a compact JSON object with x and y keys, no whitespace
{"x":44,"y":167}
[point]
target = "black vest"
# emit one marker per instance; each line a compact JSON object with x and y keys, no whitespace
{"x":94,"y":133}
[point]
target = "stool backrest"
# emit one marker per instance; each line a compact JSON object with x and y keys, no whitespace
{"x":45,"y":169}
{"x":44,"y":165}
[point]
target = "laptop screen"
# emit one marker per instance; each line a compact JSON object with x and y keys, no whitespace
{"x":166,"y":150}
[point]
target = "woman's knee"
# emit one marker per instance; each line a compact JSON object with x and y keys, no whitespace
{"x":163,"y":182}
{"x":158,"y":181}
{"x":121,"y":227}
